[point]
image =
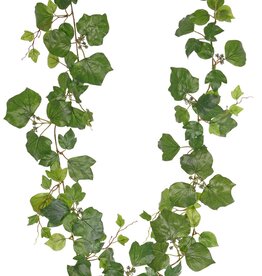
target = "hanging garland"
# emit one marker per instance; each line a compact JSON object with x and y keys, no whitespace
{"x":173,"y":228}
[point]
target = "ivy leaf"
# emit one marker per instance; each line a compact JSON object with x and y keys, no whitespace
{"x":200,"y":17}
{"x":52,"y":6}
{"x":40,"y":201}
{"x":215,"y":78}
{"x":182,"y":194}
{"x":59,"y":112}
{"x":165,"y":202}
{"x":198,"y":257}
{"x":145,"y":216}
{"x":169,"y":226}
{"x":211,"y":30}
{"x":176,"y":271}
{"x":77,"y":89}
{"x":46,"y":182}
{"x":237,"y":93}
{"x":49,"y":159}
{"x":75,"y":193}
{"x":106,"y":257}
{"x":169,"y":147}
{"x":34,"y":54}
{"x":55,"y":212}
{"x":91,"y":70}
{"x":57,"y":43}
{"x":70,"y":59}
{"x":28,"y":36}
{"x":85,"y":247}
{"x":222,"y":124}
{"x":45,"y":232}
{"x":82,"y":268}
{"x":120,"y":221}
{"x":80,"y":119}
{"x":57,"y":242}
{"x":192,"y":45}
{"x":64,"y":81}
{"x":182,"y":83}
{"x":33,"y":220}
{"x":122,"y":239}
{"x":94,"y":27}
{"x":62,"y":4}
{"x":80,"y":167}
{"x":67,"y":29}
{"x":199,"y":162}
{"x":193,"y":216}
{"x":141,"y":254}
{"x":38,"y":146}
{"x":69,"y":221}
{"x":208,"y":239}
{"x":194,"y":133}
{"x":224,"y":13}
{"x":182,"y":115}
{"x":57,"y":174}
{"x":218,"y":192}
{"x":44,"y":17}
{"x":22,"y":107}
{"x":235,"y":109}
{"x":215,"y":4}
{"x":52,"y":61}
{"x":113,"y":269}
{"x":235,"y":53}
{"x":67,"y":141}
{"x":185,"y":243}
{"x":161,"y":259}
{"x":186,"y":26}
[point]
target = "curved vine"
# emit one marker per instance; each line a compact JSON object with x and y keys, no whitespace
{"x":58,"y":216}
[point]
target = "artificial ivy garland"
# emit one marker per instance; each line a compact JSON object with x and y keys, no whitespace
{"x":173,"y":229}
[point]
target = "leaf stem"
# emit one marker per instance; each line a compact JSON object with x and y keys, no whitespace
{"x":74,"y":22}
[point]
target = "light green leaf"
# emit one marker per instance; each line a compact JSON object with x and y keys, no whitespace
{"x":211,"y":30}
{"x":85,"y":247}
{"x":44,"y":16}
{"x":215,"y":78}
{"x":145,"y":216}
{"x":46,"y":182}
{"x":176,"y":271}
{"x":224,"y":13}
{"x":186,"y":26}
{"x":120,"y":221}
{"x":40,"y":201}
{"x":34,"y":54}
{"x":57,"y":242}
{"x":69,"y":221}
{"x":33,"y":220}
{"x":169,"y":147}
{"x":141,"y":254}
{"x":208,"y":239}
{"x":215,"y":4}
{"x":75,"y":193}
{"x":193,"y":216}
{"x":237,"y":93}
{"x":235,"y":53}
{"x":62,"y":4}
{"x":235,"y":109}
{"x":28,"y":36}
{"x":218,"y":192}
{"x":182,"y":115}
{"x":200,"y":17}
{"x":52,"y":6}
{"x":52,"y":61}
{"x":45,"y":232}
{"x":57,"y":174}
{"x":165,"y":202}
{"x":67,"y":141}
{"x":122,"y":239}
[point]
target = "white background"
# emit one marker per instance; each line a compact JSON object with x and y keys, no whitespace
{"x":131,"y":110}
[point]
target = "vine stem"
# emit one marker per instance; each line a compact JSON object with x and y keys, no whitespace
{"x":74,"y":22}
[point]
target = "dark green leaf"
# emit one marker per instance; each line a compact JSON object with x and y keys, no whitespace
{"x":161,"y":259}
{"x":145,"y":216}
{"x":237,"y":93}
{"x":57,"y":95}
{"x":182,"y":82}
{"x":113,"y":269}
{"x":82,"y":268}
{"x":52,"y":61}
{"x":186,"y":26}
{"x":46,"y":182}
{"x":200,"y":17}
{"x":235,"y":53}
{"x":62,"y":4}
{"x":106,"y":257}
{"x":49,"y":159}
{"x":91,"y":70}
{"x":208,"y":239}
{"x":22,"y":107}
{"x":69,"y":221}
{"x":211,"y":30}
{"x":80,"y":167}
{"x":55,"y":212}
{"x":122,"y":239}
{"x":67,"y":29}
{"x":80,"y":119}
{"x":57,"y":242}
{"x":235,"y":109}
{"x":120,"y":221}
{"x":215,"y":78}
{"x":194,"y":133}
{"x":45,"y":232}
{"x":70,"y":59}
{"x":224,"y":13}
{"x":165,"y":202}
{"x":94,"y":27}
{"x":75,"y":193}
{"x":176,"y":271}
{"x":206,"y":51}
{"x":169,"y":226}
{"x":40,"y":201}
{"x":218,"y":192}
{"x":67,"y":141}
{"x":182,"y":115}
{"x":28,"y":36}
{"x":215,"y":4}
{"x":33,"y":219}
{"x":141,"y":254}
{"x":169,"y":147}
{"x":64,"y":81}
{"x":193,"y":216}
{"x":57,"y":43}
{"x":77,"y":89}
{"x":199,"y":162}
{"x":222,"y":124}
{"x":85,"y":247}
{"x":198,"y":257}
{"x":192,"y":45}
{"x":185,"y":243}
{"x":44,"y":16}
{"x":38,"y":147}
{"x":59,"y":112}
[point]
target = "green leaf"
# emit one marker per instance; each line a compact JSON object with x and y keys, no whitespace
{"x":52,"y":61}
{"x":169,"y":226}
{"x":80,"y":119}
{"x":215,"y":78}
{"x":57,"y":174}
{"x":237,"y":93}
{"x":94,"y":27}
{"x":193,"y":216}
{"x":75,"y":193}
{"x":222,"y":124}
{"x":113,"y":269}
{"x":82,"y":268}
{"x":141,"y":254}
{"x":176,"y":271}
{"x":194,"y":133}
{"x":185,"y":243}
{"x":200,"y":17}
{"x":44,"y":16}
{"x":57,"y":43}
{"x":106,"y":257}
{"x":84,"y":247}
{"x":211,"y":30}
{"x":80,"y":167}
{"x":62,"y":4}
{"x":69,"y":221}
{"x":28,"y":36}
{"x":198,"y":162}
{"x":182,"y":115}
{"x":145,"y":216}
{"x":224,"y":13}
{"x":77,"y":89}
{"x":122,"y":239}
{"x":67,"y":141}
{"x":52,"y":6}
{"x":40,"y":201}
{"x":120,"y":221}
{"x":55,"y":212}
{"x":59,"y":112}
{"x":192,"y":45}
{"x":182,"y":83}
{"x":182,"y":194}
{"x":49,"y":159}
{"x":207,"y":106}
{"x":235,"y":53}
{"x":186,"y":26}
{"x":46,"y":182}
{"x":57,"y":242}
{"x":235,"y":109}
{"x":215,"y":4}
{"x":58,"y":94}
{"x":91,"y":70}
{"x":33,"y":220}
{"x":169,"y":147}
{"x":161,"y":259}
{"x":38,"y":146}
{"x":206,"y":51}
{"x":218,"y":192}
{"x":198,"y":257}
{"x":208,"y":239}
{"x":22,"y":107}
{"x":165,"y":202}
{"x":70,"y":59}
{"x":45,"y":232}
{"x":67,"y":29}
{"x":64,"y":81}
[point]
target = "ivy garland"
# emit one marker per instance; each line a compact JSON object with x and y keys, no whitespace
{"x":173,"y":228}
